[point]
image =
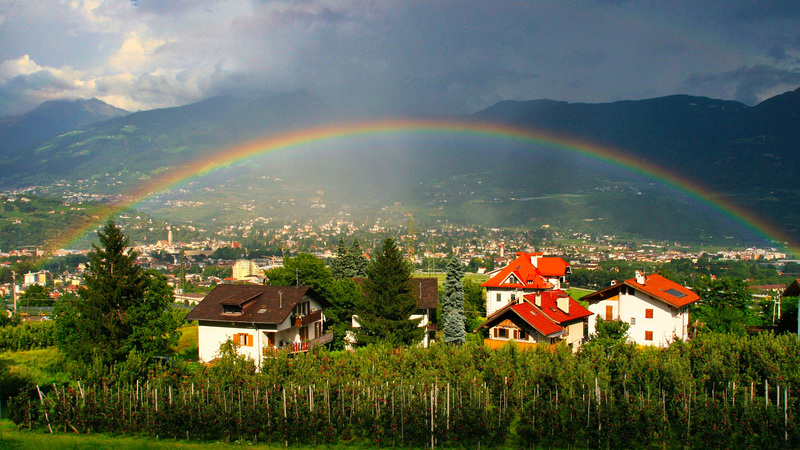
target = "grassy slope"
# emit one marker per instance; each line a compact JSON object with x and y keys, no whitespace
{"x":12,"y":438}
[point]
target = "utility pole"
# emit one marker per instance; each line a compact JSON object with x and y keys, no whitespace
{"x":14,"y":290}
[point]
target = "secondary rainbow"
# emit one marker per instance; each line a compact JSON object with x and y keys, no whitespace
{"x":434,"y":128}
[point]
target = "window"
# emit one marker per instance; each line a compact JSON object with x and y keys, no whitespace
{"x":633,"y":320}
{"x":499,"y":297}
{"x":243,"y":339}
{"x":500,"y":333}
{"x":648,"y":335}
{"x":231,"y":309}
{"x":304,"y":334}
{"x":648,"y":313}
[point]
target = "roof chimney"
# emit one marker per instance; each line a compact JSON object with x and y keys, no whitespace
{"x":538,"y":299}
{"x":280,"y":296}
{"x":640,"y":278}
{"x":535,"y":259}
{"x":563,"y":303}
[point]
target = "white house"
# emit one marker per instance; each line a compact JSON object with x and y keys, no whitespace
{"x":544,"y":317}
{"x":260,"y":320}
{"x":528,"y":273}
{"x":656,"y":308}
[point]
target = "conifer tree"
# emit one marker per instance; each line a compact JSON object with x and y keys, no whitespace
{"x":122,"y":308}
{"x":384,"y":312}
{"x":358,"y":262}
{"x":453,"y":303}
{"x":338,"y":262}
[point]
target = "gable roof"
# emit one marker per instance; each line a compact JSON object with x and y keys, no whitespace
{"x":260,"y":304}
{"x":426,"y":291}
{"x":549,"y":319}
{"x":793,"y":290}
{"x":655,"y":286}
{"x":528,"y":271}
{"x":550,"y":307}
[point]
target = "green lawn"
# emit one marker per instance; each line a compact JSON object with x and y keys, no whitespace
{"x":187,"y":345}
{"x":13,"y":438}
{"x":441,"y":276}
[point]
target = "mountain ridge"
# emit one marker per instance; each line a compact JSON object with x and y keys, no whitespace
{"x":722,"y":145}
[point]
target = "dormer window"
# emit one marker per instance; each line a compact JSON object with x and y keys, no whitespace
{"x":513,"y":280}
{"x":231,"y":309}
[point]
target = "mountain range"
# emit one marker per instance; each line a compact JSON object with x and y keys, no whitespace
{"x":742,"y":155}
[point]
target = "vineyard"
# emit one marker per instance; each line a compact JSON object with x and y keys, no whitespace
{"x":716,"y":391}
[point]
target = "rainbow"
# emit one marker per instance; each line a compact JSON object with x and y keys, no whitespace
{"x":436,"y":128}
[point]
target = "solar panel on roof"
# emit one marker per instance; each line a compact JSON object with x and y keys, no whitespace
{"x":675,"y":293}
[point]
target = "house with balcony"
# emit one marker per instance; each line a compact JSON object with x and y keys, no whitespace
{"x":548,"y":317}
{"x":260,"y":320}
{"x":656,"y":308}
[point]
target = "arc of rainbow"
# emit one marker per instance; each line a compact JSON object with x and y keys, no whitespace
{"x":310,"y":136}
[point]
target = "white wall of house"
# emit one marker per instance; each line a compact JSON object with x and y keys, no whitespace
{"x":498,"y":298}
{"x":211,"y":335}
{"x":666,"y":323}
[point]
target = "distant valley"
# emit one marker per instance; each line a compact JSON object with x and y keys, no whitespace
{"x":747,"y":156}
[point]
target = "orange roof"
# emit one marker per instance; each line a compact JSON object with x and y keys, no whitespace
{"x":521,"y":273}
{"x":534,"y":316}
{"x":655,"y":286}
{"x":552,"y":266}
{"x":550,"y":306}
{"x":547,"y":319}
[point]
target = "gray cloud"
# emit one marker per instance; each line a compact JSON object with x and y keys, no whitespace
{"x":415,"y":55}
{"x":748,"y":84}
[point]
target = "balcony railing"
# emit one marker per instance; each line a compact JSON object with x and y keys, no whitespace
{"x":303,"y":320}
{"x":314,"y":316}
{"x":300,"y":347}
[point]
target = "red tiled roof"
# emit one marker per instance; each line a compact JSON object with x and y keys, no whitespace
{"x":547,"y":319}
{"x":655,"y":286}
{"x":534,"y":316}
{"x":552,"y":266}
{"x":526,"y":275}
{"x":550,"y":306}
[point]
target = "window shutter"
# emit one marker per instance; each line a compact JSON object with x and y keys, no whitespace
{"x":236,"y":338}
{"x":648,"y":335}
{"x":648,"y":313}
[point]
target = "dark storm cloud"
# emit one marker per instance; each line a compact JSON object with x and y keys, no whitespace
{"x":389,"y":56}
{"x":748,"y":83}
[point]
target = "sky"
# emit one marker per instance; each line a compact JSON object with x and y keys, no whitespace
{"x":391,"y":57}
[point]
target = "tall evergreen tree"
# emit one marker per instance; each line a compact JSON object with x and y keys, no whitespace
{"x":384,"y":312}
{"x":453,"y":303}
{"x":358,"y":262}
{"x":122,"y":308}
{"x":338,"y":262}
